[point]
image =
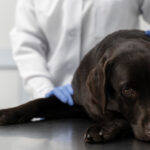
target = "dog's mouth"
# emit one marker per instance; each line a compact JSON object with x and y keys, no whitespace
{"x":147,"y":132}
{"x":141,"y":133}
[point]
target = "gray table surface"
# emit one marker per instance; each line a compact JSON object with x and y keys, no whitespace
{"x":63,"y":134}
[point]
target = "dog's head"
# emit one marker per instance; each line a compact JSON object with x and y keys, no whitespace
{"x":121,"y":82}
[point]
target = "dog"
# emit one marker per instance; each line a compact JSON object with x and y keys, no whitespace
{"x":111,"y":86}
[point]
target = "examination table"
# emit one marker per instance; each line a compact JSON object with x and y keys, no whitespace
{"x":61,"y":134}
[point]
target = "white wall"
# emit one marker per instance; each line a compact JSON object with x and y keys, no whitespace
{"x":10,"y":89}
{"x":9,"y":92}
{"x":7,"y":8}
{"x":9,"y":79}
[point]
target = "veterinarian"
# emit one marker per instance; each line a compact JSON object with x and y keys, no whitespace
{"x":51,"y":37}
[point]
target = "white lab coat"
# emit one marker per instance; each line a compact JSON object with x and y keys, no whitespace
{"x":51,"y":37}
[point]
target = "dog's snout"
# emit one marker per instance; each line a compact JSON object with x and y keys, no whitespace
{"x":147,"y":129}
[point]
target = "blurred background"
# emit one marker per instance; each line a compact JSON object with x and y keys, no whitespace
{"x":11,"y":90}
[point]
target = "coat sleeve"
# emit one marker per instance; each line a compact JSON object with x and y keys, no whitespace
{"x":145,"y":9}
{"x":30,"y":49}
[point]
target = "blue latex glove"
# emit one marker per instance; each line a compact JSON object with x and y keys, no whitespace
{"x":63,"y":93}
{"x":147,"y":33}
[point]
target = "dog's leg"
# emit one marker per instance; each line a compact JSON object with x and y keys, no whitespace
{"x":48,"y":108}
{"x":107,"y":130}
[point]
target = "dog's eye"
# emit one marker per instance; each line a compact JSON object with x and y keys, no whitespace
{"x":129,"y":93}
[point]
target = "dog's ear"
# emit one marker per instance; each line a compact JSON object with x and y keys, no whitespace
{"x":96,"y":83}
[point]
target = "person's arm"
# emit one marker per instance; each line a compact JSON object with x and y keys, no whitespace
{"x":30,"y":49}
{"x":145,"y":9}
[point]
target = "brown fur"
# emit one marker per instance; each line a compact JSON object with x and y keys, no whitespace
{"x":111,"y":86}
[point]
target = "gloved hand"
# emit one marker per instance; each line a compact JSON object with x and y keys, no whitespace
{"x":63,"y":93}
{"x":147,"y":32}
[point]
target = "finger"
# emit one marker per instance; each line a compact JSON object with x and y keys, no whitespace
{"x":49,"y":94}
{"x":69,"y":88}
{"x":59,"y":94}
{"x":69,"y":98}
{"x":147,"y":33}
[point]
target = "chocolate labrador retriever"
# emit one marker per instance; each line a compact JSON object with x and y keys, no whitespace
{"x":111,"y":86}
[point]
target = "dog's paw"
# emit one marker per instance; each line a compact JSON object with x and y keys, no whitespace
{"x":11,"y":116}
{"x":100,"y":133}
